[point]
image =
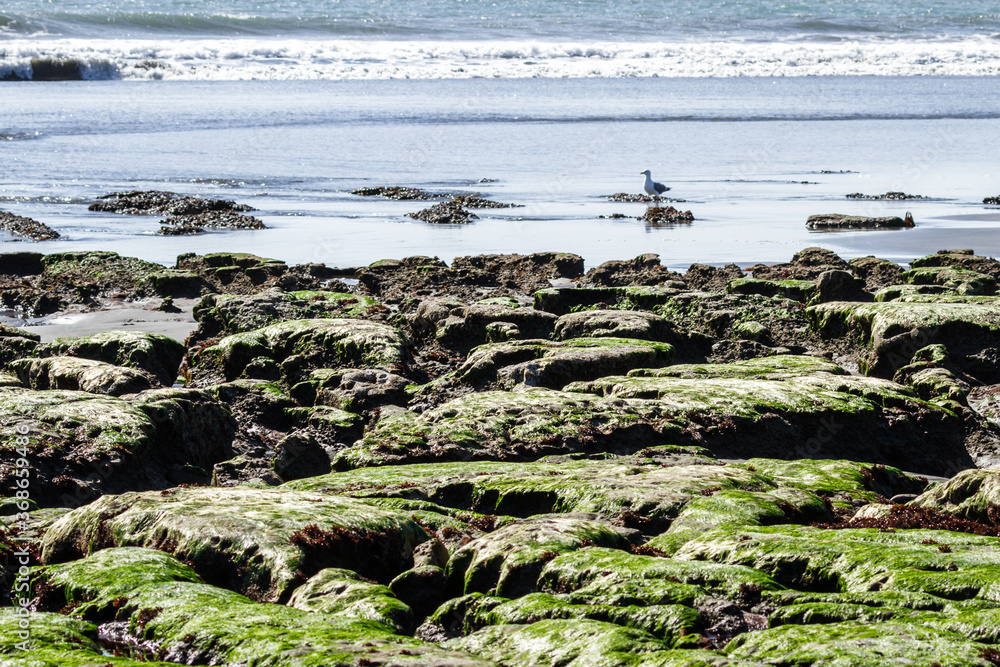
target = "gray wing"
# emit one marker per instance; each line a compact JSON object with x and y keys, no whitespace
{"x":660,"y":188}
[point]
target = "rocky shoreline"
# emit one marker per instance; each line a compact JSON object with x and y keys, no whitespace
{"x":503,"y":460}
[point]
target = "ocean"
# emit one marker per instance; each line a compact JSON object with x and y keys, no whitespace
{"x":757,"y":114}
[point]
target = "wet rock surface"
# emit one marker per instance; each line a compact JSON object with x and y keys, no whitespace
{"x":895,"y":196}
{"x":826,"y":221}
{"x":154,"y":202}
{"x":508,"y":460}
{"x":26,"y":227}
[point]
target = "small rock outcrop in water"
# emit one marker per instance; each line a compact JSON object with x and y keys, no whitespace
{"x":887,"y":195}
{"x":399,"y":193}
{"x":213,"y":219}
{"x":992,"y":201}
{"x":154,"y":202}
{"x":26,"y":227}
{"x":445,"y":213}
{"x":645,"y":199}
{"x":840,"y":221}
{"x":666,"y":216}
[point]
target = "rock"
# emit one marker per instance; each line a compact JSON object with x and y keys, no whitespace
{"x":353,"y":390}
{"x":345,"y":594}
{"x":227,"y":219}
{"x":829,"y":221}
{"x":524,"y":271}
{"x":398,"y":192}
{"x":992,"y":201}
{"x":26,"y":227}
{"x":953,"y":279}
{"x":459,"y":327}
{"x":422,"y":589}
{"x":21,"y":264}
{"x":178,"y":228}
{"x":151,"y":202}
{"x":877,"y":273}
{"x":156,"y":355}
{"x":887,"y":334}
{"x":474,"y":201}
{"x":445,"y":213}
{"x":794,"y":290}
{"x":240,"y":273}
{"x":960,"y":259}
{"x":839,"y":285}
{"x":76,"y":374}
{"x":16,"y":344}
{"x":711,"y":278}
{"x":219,"y":315}
{"x":616,"y":324}
{"x":538,"y":363}
{"x":666,"y":216}
{"x":565,"y":300}
{"x":260,"y":542}
{"x":806,"y":264}
{"x":973,"y":495}
{"x":300,"y":455}
{"x":631,"y":197}
{"x":897,"y":196}
{"x":509,"y":560}
{"x":185,"y":622}
{"x":643,"y":270}
{"x":299,"y":346}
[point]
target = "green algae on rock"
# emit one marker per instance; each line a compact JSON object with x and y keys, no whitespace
{"x":257,"y":541}
{"x":510,"y":559}
{"x":345,"y":593}
{"x":78,"y":374}
{"x":315,"y":343}
{"x":155,"y":354}
{"x":973,"y":495}
{"x":225,"y":315}
{"x":552,"y":364}
{"x":16,"y":343}
{"x":186,"y":622}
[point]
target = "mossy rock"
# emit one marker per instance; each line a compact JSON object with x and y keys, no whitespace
{"x":859,"y":560}
{"x":56,"y":640}
{"x":553,"y":364}
{"x":78,"y":374}
{"x":225,"y":315}
{"x":255,"y":541}
{"x":86,"y":441}
{"x":791,"y":407}
{"x":315,"y":343}
{"x":529,"y":423}
{"x":193,"y":623}
{"x":554,"y":643}
{"x":16,"y":344}
{"x":610,"y":576}
{"x":99,"y":270}
{"x":346,"y":594}
{"x":460,"y":327}
{"x":510,"y":559}
{"x":891,"y":332}
{"x":959,"y":281}
{"x":155,"y":354}
{"x":858,"y":644}
{"x":564,"y":300}
{"x":616,"y":324}
{"x":795,"y":290}
{"x":972,"y":494}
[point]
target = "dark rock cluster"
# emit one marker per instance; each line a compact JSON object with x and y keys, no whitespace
{"x":26,"y":227}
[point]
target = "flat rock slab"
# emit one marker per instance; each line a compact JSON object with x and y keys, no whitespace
{"x":829,"y":221}
{"x":26,"y":227}
{"x":157,"y":355}
{"x":254,"y":541}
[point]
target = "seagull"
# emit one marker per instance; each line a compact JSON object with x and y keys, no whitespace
{"x":652,"y":187}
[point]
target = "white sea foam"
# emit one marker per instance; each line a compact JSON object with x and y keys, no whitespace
{"x":272,"y":59}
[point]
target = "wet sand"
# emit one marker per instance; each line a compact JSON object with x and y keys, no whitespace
{"x":130,"y":316}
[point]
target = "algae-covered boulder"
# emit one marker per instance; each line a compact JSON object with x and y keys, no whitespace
{"x":566,"y":300}
{"x":554,"y":643}
{"x":792,"y":407}
{"x":78,"y":445}
{"x":642,"y":270}
{"x":78,"y":374}
{"x":157,"y":355}
{"x":353,"y":389}
{"x":261,"y":542}
{"x":460,"y":327}
{"x":298,"y":345}
{"x":510,"y":559}
{"x":345,"y":593}
{"x":616,"y":324}
{"x":961,"y":259}
{"x":973,"y":495}
{"x":877,"y":273}
{"x":860,"y":559}
{"x":167,"y":616}
{"x":889,"y":333}
{"x":806,"y":264}
{"x":528,"y":423}
{"x":225,"y":315}
{"x":795,"y":290}
{"x":16,"y":343}
{"x":554,"y":364}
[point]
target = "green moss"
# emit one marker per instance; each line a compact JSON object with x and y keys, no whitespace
{"x":242,"y":537}
{"x":344,"y":593}
{"x":971,"y":494}
{"x":795,"y":290}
